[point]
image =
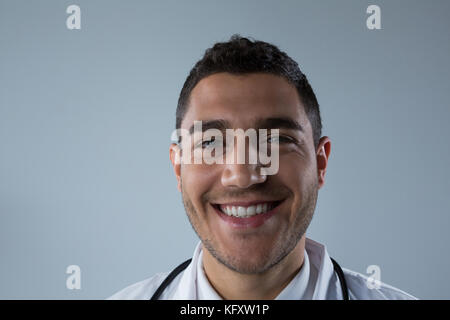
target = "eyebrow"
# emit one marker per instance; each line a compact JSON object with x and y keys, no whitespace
{"x":212,"y":124}
{"x":268,"y":123}
{"x":280,"y":123}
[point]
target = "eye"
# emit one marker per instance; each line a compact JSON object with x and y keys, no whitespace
{"x":279,"y":139}
{"x":209,"y":143}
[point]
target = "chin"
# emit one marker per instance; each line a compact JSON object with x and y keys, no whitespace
{"x":247,"y":260}
{"x":245,"y":265}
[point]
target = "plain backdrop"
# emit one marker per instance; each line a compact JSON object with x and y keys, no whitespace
{"x":86,"y":117}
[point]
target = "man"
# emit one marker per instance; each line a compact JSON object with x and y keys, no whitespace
{"x":252,"y":224}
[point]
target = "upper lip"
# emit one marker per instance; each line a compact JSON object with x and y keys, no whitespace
{"x":245,"y":203}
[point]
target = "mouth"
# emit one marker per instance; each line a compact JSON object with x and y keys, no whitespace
{"x":247,"y":214}
{"x":243,"y":210}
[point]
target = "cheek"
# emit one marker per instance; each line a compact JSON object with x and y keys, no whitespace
{"x":294,"y":168}
{"x":296,"y":173}
{"x":197,"y":180}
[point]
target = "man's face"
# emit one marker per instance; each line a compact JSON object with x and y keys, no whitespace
{"x":209,"y":190}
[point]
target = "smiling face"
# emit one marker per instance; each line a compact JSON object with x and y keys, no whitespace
{"x":281,"y":205}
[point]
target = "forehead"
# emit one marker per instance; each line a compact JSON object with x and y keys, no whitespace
{"x":241,"y":99}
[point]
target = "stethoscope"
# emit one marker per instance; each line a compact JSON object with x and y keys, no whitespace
{"x":181,"y":267}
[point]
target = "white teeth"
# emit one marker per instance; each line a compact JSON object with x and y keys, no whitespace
{"x":251,"y":210}
{"x":243,"y":212}
{"x":259,"y":208}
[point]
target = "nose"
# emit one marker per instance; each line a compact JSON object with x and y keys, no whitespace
{"x":242,"y":175}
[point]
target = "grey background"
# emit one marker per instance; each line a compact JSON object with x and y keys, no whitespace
{"x":86,"y":117}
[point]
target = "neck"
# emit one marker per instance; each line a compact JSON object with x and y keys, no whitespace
{"x":232,"y":285}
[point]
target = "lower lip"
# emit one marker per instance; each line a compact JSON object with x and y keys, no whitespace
{"x":249,"y":222}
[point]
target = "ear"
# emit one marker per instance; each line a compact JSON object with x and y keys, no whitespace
{"x":175,"y":158}
{"x":322,"y":155}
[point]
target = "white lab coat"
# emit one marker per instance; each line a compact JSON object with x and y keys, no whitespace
{"x":317,"y":281}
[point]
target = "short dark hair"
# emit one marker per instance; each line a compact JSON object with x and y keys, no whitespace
{"x":240,"y":56}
